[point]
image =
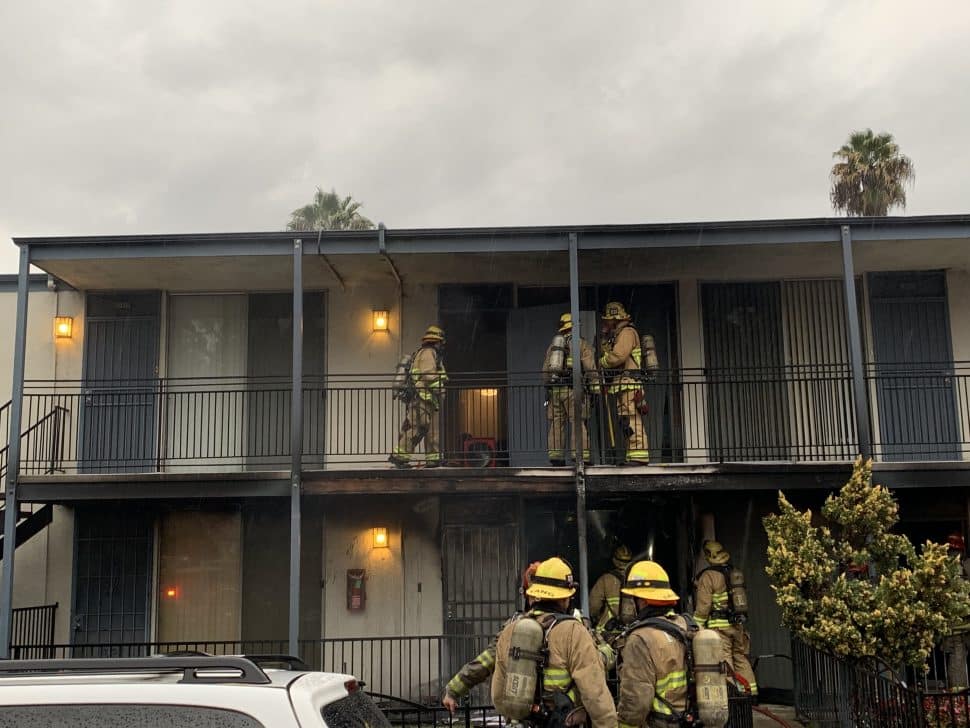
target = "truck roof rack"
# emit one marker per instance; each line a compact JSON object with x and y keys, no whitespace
{"x":268,"y":659}
{"x":194,"y":669}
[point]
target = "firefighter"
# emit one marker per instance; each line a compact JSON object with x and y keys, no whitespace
{"x":604,"y":598}
{"x":653,"y":671}
{"x":557,"y":374}
{"x":716,"y":607}
{"x":620,"y":361}
{"x":955,"y":645}
{"x":426,"y":381}
{"x":573,"y":677}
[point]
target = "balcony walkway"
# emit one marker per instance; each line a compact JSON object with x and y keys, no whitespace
{"x":600,"y":479}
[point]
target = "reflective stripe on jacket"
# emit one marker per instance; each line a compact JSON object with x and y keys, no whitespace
{"x":429,"y":375}
{"x":654,"y":667}
{"x":623,"y":353}
{"x":574,"y":666}
{"x":711,"y":603}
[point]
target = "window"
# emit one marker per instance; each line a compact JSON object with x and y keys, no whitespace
{"x":123,"y":716}
{"x":355,"y":711}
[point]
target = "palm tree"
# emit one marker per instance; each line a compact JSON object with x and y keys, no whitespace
{"x":329,"y":211}
{"x":870,"y":175}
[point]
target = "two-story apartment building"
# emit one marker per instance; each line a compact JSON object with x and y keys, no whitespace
{"x":193,"y":498}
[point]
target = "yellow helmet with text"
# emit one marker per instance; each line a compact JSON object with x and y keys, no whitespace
{"x":553,"y":580}
{"x":715,"y":553}
{"x":615,"y":312}
{"x":647,"y":580}
{"x":622,"y":556}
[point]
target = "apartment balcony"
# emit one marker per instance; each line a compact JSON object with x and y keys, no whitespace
{"x":493,"y":425}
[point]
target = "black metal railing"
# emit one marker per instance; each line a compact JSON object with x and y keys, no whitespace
{"x":791,"y":413}
{"x":43,"y":437}
{"x":406,"y":675}
{"x":32,"y":631}
{"x":837,"y":692}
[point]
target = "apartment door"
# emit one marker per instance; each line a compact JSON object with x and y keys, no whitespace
{"x":913,"y":366}
{"x":481,"y":563}
{"x":118,"y":404}
{"x":745,"y":355}
{"x":529,"y":332}
{"x":270,"y":367}
{"x":112,"y":577}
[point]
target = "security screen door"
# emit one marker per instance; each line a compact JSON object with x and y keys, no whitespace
{"x":913,"y":365}
{"x":118,"y":402}
{"x":112,"y":568}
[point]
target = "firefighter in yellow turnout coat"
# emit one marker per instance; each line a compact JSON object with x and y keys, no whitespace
{"x":604,"y":597}
{"x":622,"y":357}
{"x":574,"y":668}
{"x":559,"y":384}
{"x":653,"y":671}
{"x":712,"y":609}
{"x":428,"y":379}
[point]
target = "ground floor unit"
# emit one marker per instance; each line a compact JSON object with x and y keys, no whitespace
{"x":398,"y":588}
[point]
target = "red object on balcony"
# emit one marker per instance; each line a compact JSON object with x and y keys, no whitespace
{"x":479,"y":452}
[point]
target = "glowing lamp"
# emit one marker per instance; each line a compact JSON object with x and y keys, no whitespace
{"x":380,"y":538}
{"x":380,"y":320}
{"x":63,"y":327}
{"x":171,"y":593}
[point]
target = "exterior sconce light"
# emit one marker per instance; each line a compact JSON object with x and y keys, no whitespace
{"x":380,"y":320}
{"x":63,"y":327}
{"x":172,"y":592}
{"x":380,"y":537}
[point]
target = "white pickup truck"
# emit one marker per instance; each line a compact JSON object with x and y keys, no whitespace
{"x":181,"y":692}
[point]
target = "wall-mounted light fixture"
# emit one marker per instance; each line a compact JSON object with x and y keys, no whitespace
{"x":381,"y":318}
{"x":63,"y":327}
{"x":172,"y":592}
{"x":380,"y":537}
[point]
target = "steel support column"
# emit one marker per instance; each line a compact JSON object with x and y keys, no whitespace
{"x":577,"y":427}
{"x":859,"y":391}
{"x":11,"y":506}
{"x":296,"y":448}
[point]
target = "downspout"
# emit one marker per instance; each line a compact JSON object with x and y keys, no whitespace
{"x":382,"y":251}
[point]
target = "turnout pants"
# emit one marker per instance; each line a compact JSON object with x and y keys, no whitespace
{"x":559,"y":412}
{"x":735,"y":651}
{"x":637,"y":448}
{"x":422,"y":423}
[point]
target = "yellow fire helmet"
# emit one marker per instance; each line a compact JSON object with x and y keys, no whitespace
{"x":621,"y":556}
{"x":715,"y":553}
{"x":615,"y":312}
{"x":552,"y":580}
{"x":565,"y":323}
{"x":434,"y":333}
{"x":648,"y":580}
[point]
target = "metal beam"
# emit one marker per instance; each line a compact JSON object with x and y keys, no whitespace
{"x":577,"y":426}
{"x":11,"y":506}
{"x":859,"y":392}
{"x":382,"y":249}
{"x":296,"y":448}
{"x":504,"y":239}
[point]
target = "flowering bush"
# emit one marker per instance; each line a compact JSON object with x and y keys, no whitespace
{"x":854,"y":588}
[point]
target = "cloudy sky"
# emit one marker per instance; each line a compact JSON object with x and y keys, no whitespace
{"x":124,"y":116}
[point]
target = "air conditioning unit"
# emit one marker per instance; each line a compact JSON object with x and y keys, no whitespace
{"x":479,"y":452}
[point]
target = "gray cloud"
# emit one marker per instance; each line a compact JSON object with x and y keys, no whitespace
{"x":122,"y":117}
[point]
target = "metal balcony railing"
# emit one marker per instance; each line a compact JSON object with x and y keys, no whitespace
{"x":797,"y":413}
